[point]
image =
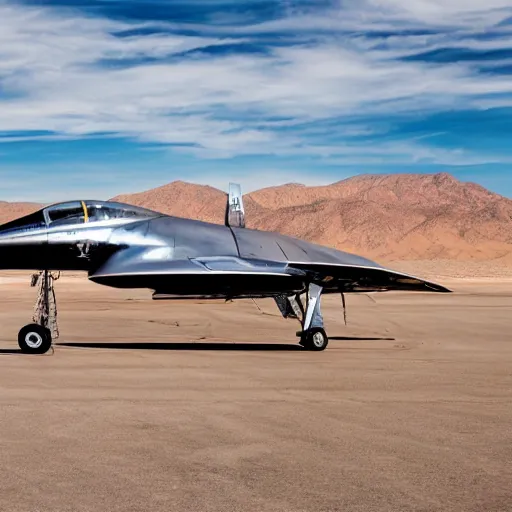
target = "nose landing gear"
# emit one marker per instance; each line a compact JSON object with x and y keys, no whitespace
{"x":34,"y":339}
{"x":37,"y":337}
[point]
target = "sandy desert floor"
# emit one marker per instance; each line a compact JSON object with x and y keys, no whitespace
{"x":159,"y":406}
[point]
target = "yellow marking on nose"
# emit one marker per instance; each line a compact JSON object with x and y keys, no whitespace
{"x":86,"y":215}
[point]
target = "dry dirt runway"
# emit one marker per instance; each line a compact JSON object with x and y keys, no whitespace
{"x":411,"y":409}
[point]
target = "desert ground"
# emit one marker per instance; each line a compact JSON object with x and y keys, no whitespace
{"x":176,"y":406}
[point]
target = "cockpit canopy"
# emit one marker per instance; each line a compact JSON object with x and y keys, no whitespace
{"x":76,"y":212}
{"x":79,"y":212}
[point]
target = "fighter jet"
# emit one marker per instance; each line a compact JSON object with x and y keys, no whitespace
{"x":124,"y":246}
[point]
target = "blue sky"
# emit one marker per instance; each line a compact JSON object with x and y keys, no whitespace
{"x":100,"y":97}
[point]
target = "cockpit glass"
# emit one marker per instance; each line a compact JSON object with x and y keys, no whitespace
{"x":66,"y":213}
{"x":79,"y":212}
{"x":75,"y":212}
{"x":101,"y":211}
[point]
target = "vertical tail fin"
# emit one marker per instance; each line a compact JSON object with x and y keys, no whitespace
{"x":235,"y":213}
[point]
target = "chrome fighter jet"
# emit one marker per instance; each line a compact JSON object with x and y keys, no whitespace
{"x":124,"y":246}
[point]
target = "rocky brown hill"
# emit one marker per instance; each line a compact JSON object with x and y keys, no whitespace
{"x":11,"y":211}
{"x":182,"y":199}
{"x":391,"y":217}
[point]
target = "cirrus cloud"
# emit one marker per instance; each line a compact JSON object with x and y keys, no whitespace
{"x":226,"y":89}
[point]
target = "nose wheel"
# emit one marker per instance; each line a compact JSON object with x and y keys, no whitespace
{"x":34,"y":339}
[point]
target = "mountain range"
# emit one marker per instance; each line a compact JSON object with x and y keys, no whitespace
{"x":391,"y":217}
{"x":387,"y":217}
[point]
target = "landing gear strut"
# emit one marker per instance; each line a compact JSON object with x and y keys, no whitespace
{"x":313,"y":336}
{"x":36,"y":338}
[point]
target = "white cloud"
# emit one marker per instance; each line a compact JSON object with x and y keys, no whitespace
{"x":371,"y":15}
{"x":441,"y":12}
{"x":52,"y":78}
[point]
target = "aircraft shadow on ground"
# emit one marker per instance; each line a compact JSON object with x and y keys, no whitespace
{"x":9,"y":351}
{"x":261,"y":347}
{"x":352,"y":338}
{"x":205,"y":346}
{"x":186,"y":346}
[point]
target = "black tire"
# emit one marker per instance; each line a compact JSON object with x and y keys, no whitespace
{"x":34,"y":339}
{"x":315,"y":340}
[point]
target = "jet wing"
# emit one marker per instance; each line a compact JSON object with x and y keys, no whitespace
{"x":353,"y":278}
{"x":334,"y":270}
{"x":231,"y":276}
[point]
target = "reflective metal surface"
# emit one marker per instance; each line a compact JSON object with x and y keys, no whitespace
{"x":124,"y":246}
{"x":235,"y":216}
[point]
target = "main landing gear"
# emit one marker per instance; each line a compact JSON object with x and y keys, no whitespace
{"x":312,"y":336}
{"x":37,"y":337}
{"x":314,"y":339}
